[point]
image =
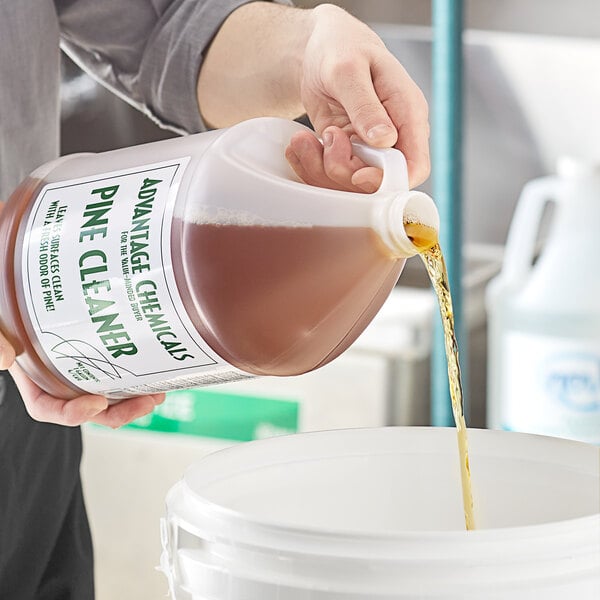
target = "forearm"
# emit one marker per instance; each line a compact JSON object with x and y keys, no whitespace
{"x":253,"y":67}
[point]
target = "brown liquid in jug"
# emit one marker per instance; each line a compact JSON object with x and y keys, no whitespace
{"x":281,"y":300}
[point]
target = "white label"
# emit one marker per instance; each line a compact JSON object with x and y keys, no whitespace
{"x":100,"y":289}
{"x":552,"y":386}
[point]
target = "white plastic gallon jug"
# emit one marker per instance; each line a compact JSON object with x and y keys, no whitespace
{"x":360,"y":514}
{"x":544,"y":316}
{"x":195,"y":261}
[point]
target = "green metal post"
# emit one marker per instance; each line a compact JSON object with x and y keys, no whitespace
{"x":447,"y":180}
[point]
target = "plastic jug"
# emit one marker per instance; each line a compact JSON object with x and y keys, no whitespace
{"x":195,"y":261}
{"x":544,"y":314}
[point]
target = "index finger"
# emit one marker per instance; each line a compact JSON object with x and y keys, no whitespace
{"x":407,"y":107}
{"x":352,"y":86}
{"x":413,"y":142}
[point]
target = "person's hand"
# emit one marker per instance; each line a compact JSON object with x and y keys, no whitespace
{"x":273,"y":60}
{"x":352,"y":85}
{"x":331,"y":164}
{"x":88,"y":407}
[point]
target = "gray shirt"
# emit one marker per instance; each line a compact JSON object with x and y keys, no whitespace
{"x":146,"y":51}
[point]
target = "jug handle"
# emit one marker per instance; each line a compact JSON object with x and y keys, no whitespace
{"x":390,"y":161}
{"x":522,"y":235}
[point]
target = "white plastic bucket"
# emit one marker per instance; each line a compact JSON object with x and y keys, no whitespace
{"x":376,"y":513}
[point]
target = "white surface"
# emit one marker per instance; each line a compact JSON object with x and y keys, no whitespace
{"x":377,"y":514}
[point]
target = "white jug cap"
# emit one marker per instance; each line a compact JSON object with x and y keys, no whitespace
{"x":577,"y":166}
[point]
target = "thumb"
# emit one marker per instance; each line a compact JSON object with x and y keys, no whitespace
{"x":368,"y":116}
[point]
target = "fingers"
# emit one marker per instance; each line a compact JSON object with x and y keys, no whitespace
{"x":352,"y":86}
{"x":413,"y":142}
{"x":7,"y":353}
{"x":338,"y":161}
{"x":407,"y":107}
{"x":128,"y":410}
{"x":385,"y":108}
{"x":368,"y":179}
{"x":362,"y":87}
{"x":89,"y":407}
{"x":331,"y":164}
{"x":305,"y":155}
{"x":48,"y":409}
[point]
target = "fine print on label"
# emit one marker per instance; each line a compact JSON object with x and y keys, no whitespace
{"x":554,"y":387}
{"x":99,"y":284}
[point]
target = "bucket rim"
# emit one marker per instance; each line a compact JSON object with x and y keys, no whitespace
{"x":211,"y":520}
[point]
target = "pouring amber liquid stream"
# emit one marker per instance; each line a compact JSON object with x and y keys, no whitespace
{"x":426,"y":240}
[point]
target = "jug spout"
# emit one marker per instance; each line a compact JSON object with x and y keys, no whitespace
{"x":408,"y":223}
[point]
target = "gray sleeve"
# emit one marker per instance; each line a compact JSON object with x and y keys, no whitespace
{"x":148,"y":52}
